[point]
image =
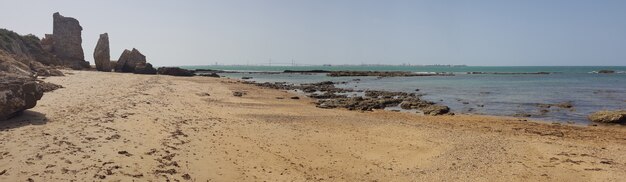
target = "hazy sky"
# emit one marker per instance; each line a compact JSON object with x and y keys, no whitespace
{"x":472,"y":32}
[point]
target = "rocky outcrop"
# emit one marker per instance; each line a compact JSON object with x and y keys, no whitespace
{"x":66,"y":41}
{"x":434,"y":110}
{"x":27,"y":51}
{"x":606,"y":71}
{"x":358,"y":103}
{"x":175,"y":71}
{"x":383,"y":74}
{"x":145,"y":69}
{"x":101,"y":54}
{"x":609,"y":116}
{"x":129,"y":60}
{"x":17,"y":93}
{"x":24,"y":67}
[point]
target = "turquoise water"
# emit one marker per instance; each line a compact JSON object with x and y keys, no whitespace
{"x":483,"y":94}
{"x":512,"y":69}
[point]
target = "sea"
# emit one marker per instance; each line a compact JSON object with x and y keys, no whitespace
{"x":489,"y":94}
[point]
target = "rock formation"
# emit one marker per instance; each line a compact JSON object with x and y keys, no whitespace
{"x":25,"y":54}
{"x":101,"y":54}
{"x":129,"y":60}
{"x":175,"y":71}
{"x":17,"y":93}
{"x":66,"y":42}
{"x":609,"y":116}
{"x":145,"y":69}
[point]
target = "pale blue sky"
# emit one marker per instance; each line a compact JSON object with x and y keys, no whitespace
{"x":498,"y":32}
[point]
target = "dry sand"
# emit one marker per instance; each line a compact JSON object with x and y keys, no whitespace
{"x":125,"y":127}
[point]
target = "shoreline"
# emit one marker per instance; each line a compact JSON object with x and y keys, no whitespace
{"x":155,"y":127}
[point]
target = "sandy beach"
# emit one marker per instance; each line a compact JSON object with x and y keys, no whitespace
{"x":128,"y":127}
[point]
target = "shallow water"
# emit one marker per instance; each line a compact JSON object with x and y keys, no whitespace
{"x":495,"y":94}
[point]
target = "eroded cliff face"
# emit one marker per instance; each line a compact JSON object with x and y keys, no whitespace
{"x":25,"y":52}
{"x":66,"y":42}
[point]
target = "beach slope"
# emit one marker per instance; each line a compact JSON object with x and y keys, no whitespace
{"x":113,"y":126}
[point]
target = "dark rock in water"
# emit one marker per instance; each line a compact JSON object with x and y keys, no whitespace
{"x":101,"y":54}
{"x":434,"y":110}
{"x":387,"y":94}
{"x":175,"y":71}
{"x":522,"y":115}
{"x":295,"y":97}
{"x":358,"y":103}
{"x":246,"y":78}
{"x":509,"y":73}
{"x":415,"y":104}
{"x":564,"y":105}
{"x":17,"y":93}
{"x":238,"y":93}
{"x":383,"y":74}
{"x":606,"y":71}
{"x":209,"y":75}
{"x":48,"y":87}
{"x":146,"y":69}
{"x":609,"y":116}
{"x":129,"y":60}
{"x":67,"y":42}
{"x":330,"y":97}
{"x":306,"y":71}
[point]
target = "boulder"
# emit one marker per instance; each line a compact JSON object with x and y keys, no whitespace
{"x":17,"y":93}
{"x":129,"y":60}
{"x":42,"y":70}
{"x":145,"y":69}
{"x":606,"y":71}
{"x":9,"y":65}
{"x":618,"y":116}
{"x":101,"y":54}
{"x":175,"y":71}
{"x":434,"y":110}
{"x":48,"y":87}
{"x":67,"y":41}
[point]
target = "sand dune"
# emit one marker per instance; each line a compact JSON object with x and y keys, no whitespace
{"x":111,"y":126}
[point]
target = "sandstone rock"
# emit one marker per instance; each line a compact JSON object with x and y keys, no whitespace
{"x":145,"y":69}
{"x":434,"y":110}
{"x":175,"y":71}
{"x":25,"y":49}
{"x":17,"y":93}
{"x":608,"y":116}
{"x":42,"y":70}
{"x":113,"y":64}
{"x":101,"y":54}
{"x":129,"y":60}
{"x":48,"y":87}
{"x":9,"y":65}
{"x":67,"y":41}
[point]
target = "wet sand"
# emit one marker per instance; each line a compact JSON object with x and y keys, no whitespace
{"x":124,"y":127}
